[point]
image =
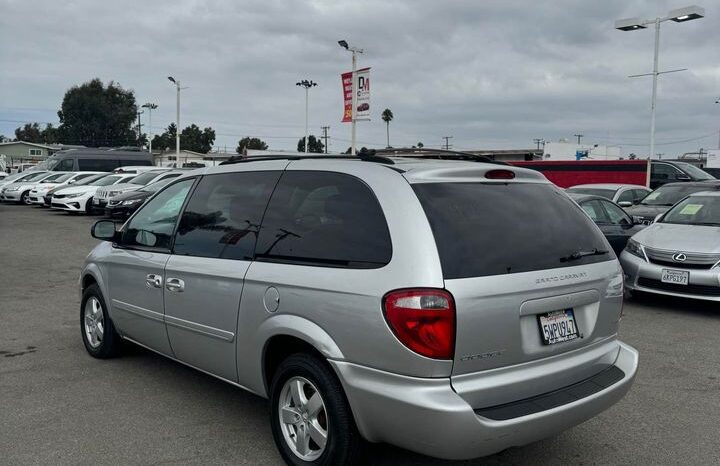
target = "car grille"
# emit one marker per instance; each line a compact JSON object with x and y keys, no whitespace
{"x":692,"y":261}
{"x":683,"y":289}
{"x":59,"y":196}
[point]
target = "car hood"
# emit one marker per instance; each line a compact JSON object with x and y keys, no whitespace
{"x":47,"y":186}
{"x":127,"y":196}
{"x":673,"y":237}
{"x":122,"y":187}
{"x":646,"y":211}
{"x":76,"y":190}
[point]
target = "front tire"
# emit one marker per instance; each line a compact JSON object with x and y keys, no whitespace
{"x":311,"y":420}
{"x":97,"y":329}
{"x":25,"y":198}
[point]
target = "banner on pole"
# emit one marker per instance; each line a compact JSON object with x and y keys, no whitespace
{"x":362,"y":99}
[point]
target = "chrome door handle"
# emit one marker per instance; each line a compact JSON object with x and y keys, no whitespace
{"x":153,"y":281}
{"x":175,"y":284}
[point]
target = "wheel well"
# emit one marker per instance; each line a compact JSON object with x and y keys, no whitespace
{"x":280,"y":347}
{"x":87,"y":281}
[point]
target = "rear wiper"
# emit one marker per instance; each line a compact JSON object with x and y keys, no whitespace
{"x":580,"y":254}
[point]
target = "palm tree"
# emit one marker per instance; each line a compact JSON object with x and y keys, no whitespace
{"x":387,"y":116}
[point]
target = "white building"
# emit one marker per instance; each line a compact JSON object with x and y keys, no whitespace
{"x":563,"y":150}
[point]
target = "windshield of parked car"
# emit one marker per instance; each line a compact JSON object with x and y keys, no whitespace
{"x":695,"y":210}
{"x":145,"y":178}
{"x":669,"y":194}
{"x":108,"y":180}
{"x":89,"y":180}
{"x":34,"y":177}
{"x":607,"y":193}
{"x":153,"y":187}
{"x":57,"y":178}
{"x":695,"y":172}
{"x":18,"y":177}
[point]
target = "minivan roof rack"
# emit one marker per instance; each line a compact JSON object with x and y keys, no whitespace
{"x":441,"y":154}
{"x":365,"y":156}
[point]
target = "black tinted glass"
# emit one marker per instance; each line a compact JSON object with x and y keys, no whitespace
{"x":324,"y":219}
{"x":222,"y":218}
{"x":97,"y":165}
{"x":492,"y":229}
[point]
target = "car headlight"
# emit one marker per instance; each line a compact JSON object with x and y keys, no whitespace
{"x":635,"y":248}
{"x":70,"y":196}
{"x":12,"y":188}
{"x":132,"y":202}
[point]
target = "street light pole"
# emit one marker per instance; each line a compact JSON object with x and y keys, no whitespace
{"x":150,"y":107}
{"x":632,"y":24}
{"x":307,"y":85}
{"x":177,"y":119}
{"x":353,"y":120}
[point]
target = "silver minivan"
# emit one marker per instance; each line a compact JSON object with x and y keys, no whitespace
{"x":453,"y":308}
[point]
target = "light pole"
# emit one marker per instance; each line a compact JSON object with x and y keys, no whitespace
{"x":354,"y":50}
{"x":718,"y":102}
{"x":307,"y":85}
{"x":177,"y":119}
{"x":631,"y":24}
{"x":150,"y":107}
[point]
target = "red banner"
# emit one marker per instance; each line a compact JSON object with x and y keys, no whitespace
{"x":346,"y":79}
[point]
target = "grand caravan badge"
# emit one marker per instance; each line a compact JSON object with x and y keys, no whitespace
{"x":561,"y":278}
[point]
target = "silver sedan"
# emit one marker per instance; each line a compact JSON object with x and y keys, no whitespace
{"x":679,"y":254}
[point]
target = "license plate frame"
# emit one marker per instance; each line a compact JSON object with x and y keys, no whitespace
{"x":683,"y":277}
{"x":558,"y":327}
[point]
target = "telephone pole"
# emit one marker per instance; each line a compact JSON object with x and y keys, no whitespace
{"x":139,"y":127}
{"x":325,"y":136}
{"x":539,"y":141}
{"x":578,"y":136}
{"x":447,"y":142}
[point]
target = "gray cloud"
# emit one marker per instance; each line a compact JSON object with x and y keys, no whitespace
{"x":494,"y":74}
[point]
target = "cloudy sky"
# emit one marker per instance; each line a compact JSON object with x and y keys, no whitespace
{"x":492,"y":74}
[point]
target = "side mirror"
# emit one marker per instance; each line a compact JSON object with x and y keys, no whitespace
{"x":103,"y":230}
{"x":625,"y":204}
{"x":683,"y":177}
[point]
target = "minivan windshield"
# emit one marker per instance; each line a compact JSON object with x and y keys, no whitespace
{"x":695,"y":210}
{"x":484,"y":229}
{"x":669,"y":194}
{"x":146,"y":177}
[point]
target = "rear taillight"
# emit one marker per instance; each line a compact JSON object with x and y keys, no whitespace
{"x":423,"y":319}
{"x":500,"y":175}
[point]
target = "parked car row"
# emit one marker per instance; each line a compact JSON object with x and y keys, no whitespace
{"x":84,"y":191}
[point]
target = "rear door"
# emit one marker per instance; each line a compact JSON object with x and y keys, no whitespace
{"x":214,"y":245}
{"x":513,"y":255}
{"x":135,"y":268}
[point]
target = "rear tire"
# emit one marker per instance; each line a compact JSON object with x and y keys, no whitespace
{"x":97,"y":329}
{"x":312,"y":376}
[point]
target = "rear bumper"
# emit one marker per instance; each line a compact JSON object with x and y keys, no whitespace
{"x":427,"y":416}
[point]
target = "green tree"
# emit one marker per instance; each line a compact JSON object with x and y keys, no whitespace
{"x":93,"y":115}
{"x":387,"y":116}
{"x":315,"y":145}
{"x":166,"y":140}
{"x":3,"y":138}
{"x":250,"y":143}
{"x":420,"y":145}
{"x":197,"y":140}
{"x":31,"y":132}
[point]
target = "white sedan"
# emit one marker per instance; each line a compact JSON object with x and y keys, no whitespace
{"x":40,"y":190}
{"x":79,"y":198}
{"x":19,"y":191}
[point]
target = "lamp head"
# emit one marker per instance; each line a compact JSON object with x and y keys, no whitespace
{"x":343,"y":44}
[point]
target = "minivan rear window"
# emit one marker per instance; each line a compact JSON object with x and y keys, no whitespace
{"x":484,"y":229}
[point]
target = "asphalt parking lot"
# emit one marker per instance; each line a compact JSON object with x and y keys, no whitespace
{"x":60,"y":406}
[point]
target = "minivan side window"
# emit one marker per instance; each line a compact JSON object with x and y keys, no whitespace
{"x":324,"y":219}
{"x":97,"y":165}
{"x":223,"y":215}
{"x":65,"y":165}
{"x":154,"y":223}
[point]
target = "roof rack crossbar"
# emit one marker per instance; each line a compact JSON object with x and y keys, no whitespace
{"x":443,"y":154}
{"x":366,"y":157}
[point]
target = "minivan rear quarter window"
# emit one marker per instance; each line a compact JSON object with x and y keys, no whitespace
{"x":484,"y":229}
{"x":324,"y":219}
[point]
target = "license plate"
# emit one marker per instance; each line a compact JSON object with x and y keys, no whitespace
{"x":558,"y":326}
{"x":676,"y":277}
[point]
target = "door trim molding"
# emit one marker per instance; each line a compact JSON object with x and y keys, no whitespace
{"x":200,"y":328}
